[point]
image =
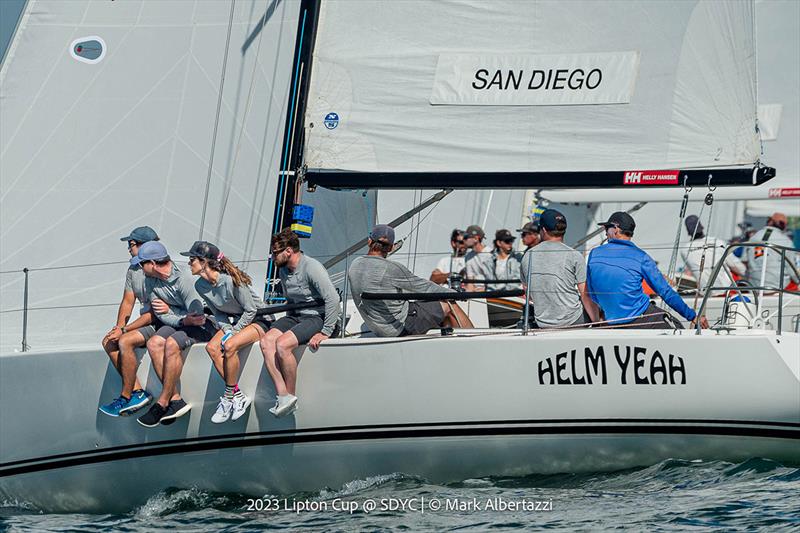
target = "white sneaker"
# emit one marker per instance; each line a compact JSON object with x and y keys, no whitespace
{"x":224,"y":408}
{"x":284,"y":405}
{"x":240,"y":405}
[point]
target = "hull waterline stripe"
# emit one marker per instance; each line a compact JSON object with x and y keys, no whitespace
{"x":778,"y":430}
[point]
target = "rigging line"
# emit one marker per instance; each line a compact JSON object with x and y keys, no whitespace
{"x":216,"y":121}
{"x":288,"y":142}
{"x":229,"y":179}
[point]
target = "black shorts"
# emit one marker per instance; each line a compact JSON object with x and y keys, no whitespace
{"x":185,"y":336}
{"x":302,"y":326}
{"x":655,"y":318}
{"x":422,"y":316}
{"x":263,"y":322}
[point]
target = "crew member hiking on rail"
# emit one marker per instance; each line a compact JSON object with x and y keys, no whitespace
{"x":126,"y":337}
{"x":177,"y":304}
{"x":227,"y":292}
{"x":303,"y":280}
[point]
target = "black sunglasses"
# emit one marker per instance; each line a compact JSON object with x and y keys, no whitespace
{"x":507,"y":241}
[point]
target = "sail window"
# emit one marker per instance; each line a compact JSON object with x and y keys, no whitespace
{"x":88,"y":49}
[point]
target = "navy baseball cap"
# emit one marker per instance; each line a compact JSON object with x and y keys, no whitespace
{"x":530,"y":227}
{"x":203,"y":249}
{"x":141,"y":234}
{"x":150,"y":251}
{"x":620,"y":220}
{"x":550,"y":218}
{"x":382,"y":233}
{"x":693,"y":224}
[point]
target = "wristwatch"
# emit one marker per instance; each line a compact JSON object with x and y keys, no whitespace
{"x":124,"y":329}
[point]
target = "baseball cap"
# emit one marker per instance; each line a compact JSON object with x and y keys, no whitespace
{"x":203,"y":249}
{"x":530,"y":227}
{"x":503,"y":235}
{"x":141,"y":234}
{"x":621,"y":220}
{"x":693,"y":225}
{"x":382,"y":233}
{"x":474,"y":231}
{"x":551,"y":217}
{"x":150,"y":251}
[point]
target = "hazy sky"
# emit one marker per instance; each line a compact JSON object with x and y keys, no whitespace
{"x":9,"y":13}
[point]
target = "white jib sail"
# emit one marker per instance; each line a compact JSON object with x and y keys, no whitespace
{"x":532,"y":86}
{"x":118,"y":134}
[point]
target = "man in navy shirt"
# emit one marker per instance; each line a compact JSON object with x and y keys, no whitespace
{"x":614,"y":280}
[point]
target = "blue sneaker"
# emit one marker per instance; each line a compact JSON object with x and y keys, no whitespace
{"x":139,"y":399}
{"x":114,"y":408}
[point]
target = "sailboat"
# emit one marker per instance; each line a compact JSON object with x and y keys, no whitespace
{"x":394,"y":96}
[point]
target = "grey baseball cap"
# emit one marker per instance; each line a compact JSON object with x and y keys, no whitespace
{"x":142,"y":234}
{"x":150,"y":251}
{"x":382,"y":233}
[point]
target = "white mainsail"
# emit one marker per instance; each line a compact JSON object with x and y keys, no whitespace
{"x":374,"y":103}
{"x":89,"y":150}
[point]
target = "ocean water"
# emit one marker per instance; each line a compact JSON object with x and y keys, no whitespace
{"x":757,"y":494}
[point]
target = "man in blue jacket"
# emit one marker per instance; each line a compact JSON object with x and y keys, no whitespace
{"x":614,"y":280}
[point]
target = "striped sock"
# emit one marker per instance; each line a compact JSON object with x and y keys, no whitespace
{"x":229,"y":391}
{"x":237,"y":393}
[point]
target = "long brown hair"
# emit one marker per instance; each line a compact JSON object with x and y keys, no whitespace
{"x":216,"y":260}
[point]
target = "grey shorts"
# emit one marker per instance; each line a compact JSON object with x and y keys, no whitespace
{"x":185,"y":336}
{"x":302,"y":326}
{"x":422,"y":316}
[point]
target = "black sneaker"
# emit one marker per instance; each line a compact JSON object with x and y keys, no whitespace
{"x":152,"y":417}
{"x":175,"y":410}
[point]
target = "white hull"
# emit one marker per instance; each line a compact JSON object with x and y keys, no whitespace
{"x":440,"y":408}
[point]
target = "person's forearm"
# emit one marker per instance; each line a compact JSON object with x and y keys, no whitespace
{"x":144,"y":320}
{"x":125,"y":308}
{"x":439,"y":277}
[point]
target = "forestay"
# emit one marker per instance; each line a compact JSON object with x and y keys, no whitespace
{"x":530,"y":87}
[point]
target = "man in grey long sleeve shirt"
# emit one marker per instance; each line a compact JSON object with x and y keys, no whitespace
{"x":303,"y":280}
{"x":393,"y":318}
{"x":175,"y":301}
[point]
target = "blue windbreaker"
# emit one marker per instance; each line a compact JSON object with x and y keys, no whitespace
{"x":614,"y":277}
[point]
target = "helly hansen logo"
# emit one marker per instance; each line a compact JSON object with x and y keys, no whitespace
{"x":651,"y":177}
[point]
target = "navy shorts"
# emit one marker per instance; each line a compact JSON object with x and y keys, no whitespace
{"x":185,"y":336}
{"x":422,"y":316}
{"x":302,"y":326}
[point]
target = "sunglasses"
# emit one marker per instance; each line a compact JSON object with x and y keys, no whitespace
{"x":278,"y":252}
{"x":507,"y":241}
{"x":193,"y":258}
{"x":131,"y":244}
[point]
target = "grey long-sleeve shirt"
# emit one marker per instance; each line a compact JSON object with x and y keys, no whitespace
{"x":373,"y":273}
{"x":225,"y":299}
{"x":310,"y":281}
{"x":178,"y":292}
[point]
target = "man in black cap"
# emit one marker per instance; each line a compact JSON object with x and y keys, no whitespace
{"x":130,"y":336}
{"x":705,"y":251}
{"x":615,"y":272}
{"x":530,"y":235}
{"x":558,"y":277}
{"x":397,"y":318}
{"x":504,"y":261}
{"x":477,"y":258}
{"x":453,"y":263}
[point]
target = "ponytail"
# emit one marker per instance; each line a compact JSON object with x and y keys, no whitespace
{"x":223,"y":264}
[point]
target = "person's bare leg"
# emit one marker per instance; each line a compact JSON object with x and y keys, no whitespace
{"x":458,"y":316}
{"x":246,"y":336}
{"x":214,"y":351}
{"x":155,"y":347}
{"x":269,"y":349}
{"x":286,"y":344}
{"x":128,"y":342}
{"x":173,"y":365}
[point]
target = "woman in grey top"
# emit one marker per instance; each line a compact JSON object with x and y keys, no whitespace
{"x":227,"y":292}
